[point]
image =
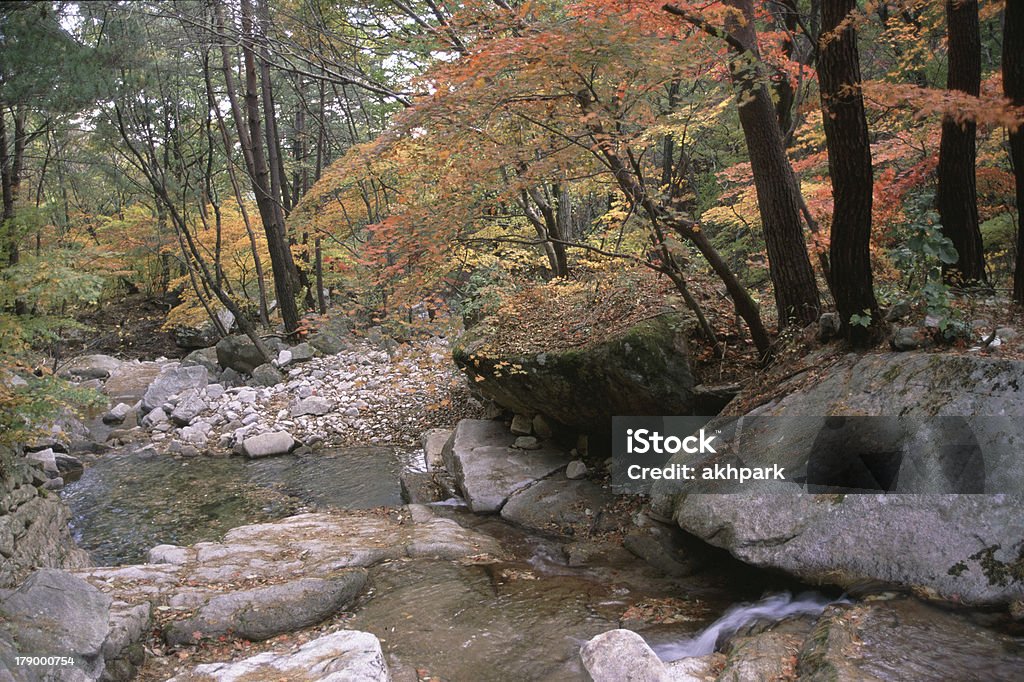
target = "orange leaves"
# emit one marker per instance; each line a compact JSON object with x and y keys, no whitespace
{"x":988,"y":109}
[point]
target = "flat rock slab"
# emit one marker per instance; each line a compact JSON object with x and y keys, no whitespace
{"x":554,"y":504}
{"x":315,"y":545}
{"x":265,"y":612}
{"x":345,"y":656}
{"x":488,"y":470}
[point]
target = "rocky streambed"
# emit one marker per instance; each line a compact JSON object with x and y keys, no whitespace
{"x":297,"y":559}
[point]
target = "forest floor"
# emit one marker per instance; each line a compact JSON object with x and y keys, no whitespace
{"x":129,"y":326}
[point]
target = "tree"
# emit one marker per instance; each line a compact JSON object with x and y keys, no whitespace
{"x":849,"y":165}
{"x":778,"y":195}
{"x":956,"y":194}
{"x":1013,"y":88}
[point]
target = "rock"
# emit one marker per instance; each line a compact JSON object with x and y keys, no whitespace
{"x":239,"y":353}
{"x":767,"y":656}
{"x":90,"y":367}
{"x":619,"y":655}
{"x":266,"y":612}
{"x":953,"y":546}
{"x":828,"y":327}
{"x":168,"y":554}
{"x":204,"y":357}
{"x":314,"y":405}
{"x":343,"y":656}
{"x":662,"y":549}
{"x":268,"y":444}
{"x":644,"y":369}
{"x":123,"y":648}
{"x":695,"y":668}
{"x":154,"y":417}
{"x":54,"y":484}
{"x":522,"y":425}
{"x":47,"y":461}
{"x":904,"y":639}
{"x":284,"y":358}
{"x":214,"y":391}
{"x":576,"y":469}
{"x":301,"y":352}
{"x":556,"y":505}
{"x":201,"y":336}
{"x":190,"y":404}
{"x":897,"y":312}
{"x":54,"y":613}
{"x":541,"y":428}
{"x":266,"y":375}
{"x":70,"y":467}
{"x":1007,"y":333}
{"x":231,"y":378}
{"x":333,"y":335}
{"x":488,"y":470}
{"x":117,"y":414}
{"x":418,"y":487}
{"x":526,"y":443}
{"x":908,"y":338}
{"x":433,"y":442}
{"x":172,"y":381}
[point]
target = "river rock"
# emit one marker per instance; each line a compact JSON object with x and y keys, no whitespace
{"x":575,"y":469}
{"x":313,"y":405}
{"x":433,"y":442}
{"x":284,"y":357}
{"x":488,"y":470}
{"x":117,"y":413}
{"x":54,"y":613}
{"x":265,"y":612}
{"x":45,"y":459}
{"x":91,"y":367}
{"x":642,"y":370}
{"x":239,"y":353}
{"x":555,"y":505}
{"x":344,"y":656}
{"x":419,"y":487}
{"x":172,"y":381}
{"x":268,"y":444}
{"x":266,"y":375}
{"x":521,"y":425}
{"x":204,"y":357}
{"x":190,"y":404}
{"x":301,"y":352}
{"x":619,"y":655}
{"x":957,"y":547}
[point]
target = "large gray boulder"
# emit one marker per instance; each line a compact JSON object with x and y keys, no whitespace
{"x":239,"y":353}
{"x":344,"y":656}
{"x":488,"y":470}
{"x":56,"y":614}
{"x":265,"y":612}
{"x":204,"y":357}
{"x":172,"y":381}
{"x":642,"y":370}
{"x":958,"y":547}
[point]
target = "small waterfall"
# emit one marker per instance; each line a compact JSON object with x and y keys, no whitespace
{"x":773,"y":607}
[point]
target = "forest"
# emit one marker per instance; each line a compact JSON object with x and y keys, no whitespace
{"x":388,"y":160}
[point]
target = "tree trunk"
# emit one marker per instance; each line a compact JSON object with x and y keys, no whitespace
{"x":796,"y":292}
{"x":956,"y":195}
{"x":849,"y":167}
{"x":277,"y":244}
{"x":1013,"y":88}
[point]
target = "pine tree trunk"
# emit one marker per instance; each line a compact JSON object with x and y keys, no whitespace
{"x":796,"y":292}
{"x":956,"y":195}
{"x":849,"y":167}
{"x":1013,"y":88}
